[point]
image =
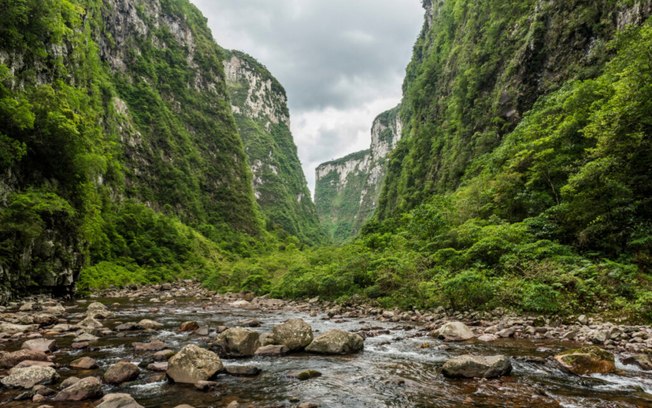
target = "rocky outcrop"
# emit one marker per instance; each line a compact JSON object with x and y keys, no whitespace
{"x":259,"y":104}
{"x":347,"y":189}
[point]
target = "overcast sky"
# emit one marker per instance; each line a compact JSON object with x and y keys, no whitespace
{"x":342,"y":62}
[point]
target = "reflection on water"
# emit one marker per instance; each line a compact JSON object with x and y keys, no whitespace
{"x":393,"y":370}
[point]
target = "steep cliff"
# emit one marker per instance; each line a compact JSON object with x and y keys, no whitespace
{"x":115,"y":131}
{"x":262,"y":115}
{"x":478,"y":68}
{"x":347,"y":189}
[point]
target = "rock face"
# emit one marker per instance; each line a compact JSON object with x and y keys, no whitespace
{"x":182,"y":134}
{"x":587,"y":360}
{"x":477,"y":367}
{"x":336,"y":342}
{"x":193,"y":364}
{"x":295,"y":334}
{"x":260,"y":108}
{"x":28,"y":377}
{"x":238,"y":342}
{"x":121,"y":372}
{"x":347,"y":189}
{"x":455,"y":331}
{"x":84,"y":389}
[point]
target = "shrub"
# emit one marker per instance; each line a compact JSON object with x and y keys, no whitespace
{"x":540,"y":298}
{"x":469,"y":290}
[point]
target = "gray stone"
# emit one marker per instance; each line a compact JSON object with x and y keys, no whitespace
{"x":118,"y":401}
{"x":84,"y":389}
{"x":192,"y":364}
{"x":468,"y":366}
{"x":43,"y":345}
{"x":121,"y":372}
{"x":237,"y":342}
{"x":28,"y":377}
{"x":336,"y":342}
{"x":454,"y":331}
{"x":295,"y":334}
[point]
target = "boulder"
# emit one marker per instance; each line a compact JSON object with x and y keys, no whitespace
{"x":28,"y":377}
{"x":587,"y":360}
{"x":295,"y":334}
{"x":156,"y":345}
{"x":86,"y":337}
{"x":192,"y":364}
{"x":188,"y":326}
{"x":159,"y":367}
{"x":43,"y":345}
{"x":90,"y":323}
{"x":468,"y":366}
{"x":243,"y":304}
{"x":121,"y":372}
{"x":8,"y":360}
{"x":454,"y":331}
{"x":242,"y":371}
{"x":118,"y":401}
{"x":29,"y":363}
{"x":150,"y":324}
{"x":97,"y":310}
{"x":68,"y":382}
{"x":642,"y":361}
{"x":336,"y":342}
{"x":84,"y":363}
{"x":271,"y":351}
{"x":237,"y":342}
{"x":304,"y":375}
{"x":12,"y":329}
{"x":84,"y":389}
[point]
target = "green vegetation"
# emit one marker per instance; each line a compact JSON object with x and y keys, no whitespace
{"x":553,"y":216}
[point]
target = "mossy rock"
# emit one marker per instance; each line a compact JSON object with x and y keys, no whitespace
{"x":587,"y":360}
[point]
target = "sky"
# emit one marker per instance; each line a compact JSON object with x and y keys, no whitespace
{"x":342,"y":62}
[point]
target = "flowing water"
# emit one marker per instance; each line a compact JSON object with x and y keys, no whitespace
{"x":394,"y":370}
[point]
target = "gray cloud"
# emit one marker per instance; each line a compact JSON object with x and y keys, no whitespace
{"x":342,"y":62}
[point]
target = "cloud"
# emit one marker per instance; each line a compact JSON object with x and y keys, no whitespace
{"x":342,"y":62}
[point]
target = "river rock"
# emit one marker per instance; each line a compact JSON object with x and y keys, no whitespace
{"x":243,"y":304}
{"x":643,"y":361}
{"x":121,"y":372}
{"x":237,"y":342}
{"x":97,"y":310}
{"x":8,"y":360}
{"x":30,"y":363}
{"x":304,"y":375}
{"x":28,"y":377}
{"x":68,"y":382}
{"x":163,"y":355}
{"x":84,"y":389}
{"x":150,"y":324}
{"x":587,"y":360}
{"x":192,"y":364}
{"x":45,"y":319}
{"x":295,"y":334}
{"x":488,"y":338}
{"x":156,"y":345}
{"x":118,"y":401}
{"x":243,"y":371}
{"x":336,"y":342}
{"x":84,"y":363}
{"x":188,"y":326}
{"x":454,"y":331}
{"x":159,"y":367}
{"x":12,"y":329}
{"x":272,"y":351}
{"x":468,"y":366}
{"x":90,"y":323}
{"x":86,"y":337}
{"x":43,"y":345}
